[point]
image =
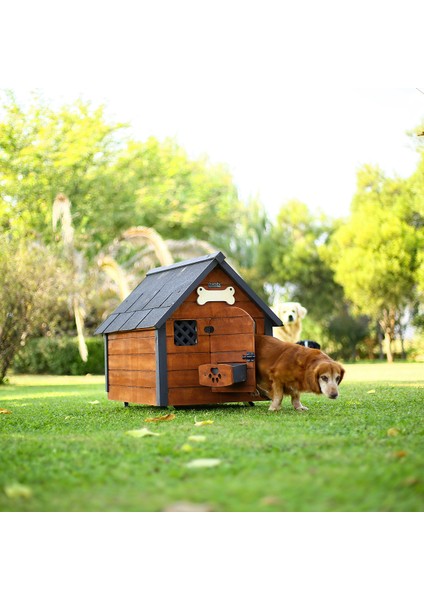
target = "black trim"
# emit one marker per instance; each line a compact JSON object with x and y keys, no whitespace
{"x":106,"y":364}
{"x":161,"y":367}
{"x":218,"y":256}
{"x":268,"y":326}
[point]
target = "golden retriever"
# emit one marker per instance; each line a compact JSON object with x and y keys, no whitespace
{"x":283,"y":368}
{"x":291,"y":314}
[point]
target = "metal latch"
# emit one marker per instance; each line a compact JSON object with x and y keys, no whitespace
{"x":249,"y":356}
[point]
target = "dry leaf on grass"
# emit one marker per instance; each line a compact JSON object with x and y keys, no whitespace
{"x":186,"y":448}
{"x":371,"y":392}
{"x":4,"y":411}
{"x":139,"y":433}
{"x":94,"y":402}
{"x":400,"y":454}
{"x":17,"y":490}
{"x":203,"y":463}
{"x":168,"y":417}
{"x":196,"y":438}
{"x":393,"y":432}
{"x":187,"y":507}
{"x":202,"y":423}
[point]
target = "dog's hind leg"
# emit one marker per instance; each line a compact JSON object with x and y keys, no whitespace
{"x":297,"y":405}
{"x":277,"y":396}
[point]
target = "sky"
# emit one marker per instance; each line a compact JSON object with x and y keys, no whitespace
{"x":293,"y":99}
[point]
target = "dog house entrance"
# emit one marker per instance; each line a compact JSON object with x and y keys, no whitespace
{"x":231,"y":333}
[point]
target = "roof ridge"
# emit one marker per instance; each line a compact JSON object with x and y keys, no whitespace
{"x":218,"y":256}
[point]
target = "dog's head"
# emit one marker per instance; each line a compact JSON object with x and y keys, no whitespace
{"x":328,"y":376}
{"x":290,"y":312}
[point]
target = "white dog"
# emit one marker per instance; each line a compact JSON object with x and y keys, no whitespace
{"x":291,"y":314}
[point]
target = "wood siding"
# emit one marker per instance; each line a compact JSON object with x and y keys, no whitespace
{"x":136,"y":360}
{"x":132,"y":366}
{"x":230,"y":327}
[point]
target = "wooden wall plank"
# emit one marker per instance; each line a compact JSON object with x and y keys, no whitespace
{"x":131,"y":346}
{"x":223,"y":342}
{"x":132,"y":378}
{"x":136,"y":395}
{"x":138,"y":334}
{"x":187,"y":361}
{"x":133,"y":362}
{"x":183,"y":378}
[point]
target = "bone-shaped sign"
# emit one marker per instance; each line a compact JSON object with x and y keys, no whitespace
{"x":226,"y":295}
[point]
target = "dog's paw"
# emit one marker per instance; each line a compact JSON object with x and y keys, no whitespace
{"x":274,"y":408}
{"x":301,"y":408}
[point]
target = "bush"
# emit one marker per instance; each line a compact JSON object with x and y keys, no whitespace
{"x":59,"y":356}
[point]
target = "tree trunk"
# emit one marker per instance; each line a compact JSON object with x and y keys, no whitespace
{"x":388,"y":324}
{"x":388,"y":346}
{"x":380,"y":342}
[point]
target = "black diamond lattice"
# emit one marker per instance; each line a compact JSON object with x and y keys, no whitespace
{"x":185,"y":333}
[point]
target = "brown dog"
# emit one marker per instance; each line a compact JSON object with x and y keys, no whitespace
{"x":285,"y":368}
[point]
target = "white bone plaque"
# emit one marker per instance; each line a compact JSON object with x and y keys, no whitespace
{"x":226,"y":295}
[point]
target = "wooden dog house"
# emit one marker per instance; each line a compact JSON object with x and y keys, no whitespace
{"x":186,"y":336}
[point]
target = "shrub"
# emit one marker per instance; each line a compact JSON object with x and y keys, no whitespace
{"x":59,"y":356}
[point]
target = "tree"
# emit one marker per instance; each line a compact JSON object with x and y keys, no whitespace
{"x":179,"y":197}
{"x":31,"y":290}
{"x":375,"y":253}
{"x":291,"y":259}
{"x":46,"y":151}
{"x":114,"y":182}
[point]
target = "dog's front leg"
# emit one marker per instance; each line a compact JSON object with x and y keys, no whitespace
{"x":277,"y":396}
{"x":297,"y":405}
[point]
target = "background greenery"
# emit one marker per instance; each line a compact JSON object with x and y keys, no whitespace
{"x":116,"y":201}
{"x":64,"y":447}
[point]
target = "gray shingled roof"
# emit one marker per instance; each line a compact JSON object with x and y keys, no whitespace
{"x":164,"y":289}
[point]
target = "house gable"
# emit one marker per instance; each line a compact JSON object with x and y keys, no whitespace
{"x":165,"y":289}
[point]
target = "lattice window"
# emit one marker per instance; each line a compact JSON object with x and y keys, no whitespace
{"x":185,"y":333}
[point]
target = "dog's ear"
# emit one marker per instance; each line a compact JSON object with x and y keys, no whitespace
{"x":312,"y":378}
{"x":301,"y":311}
{"x":342,"y":372}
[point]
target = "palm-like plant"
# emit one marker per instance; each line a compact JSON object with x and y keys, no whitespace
{"x":62,"y":214}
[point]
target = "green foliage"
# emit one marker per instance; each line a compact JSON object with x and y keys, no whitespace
{"x":291,"y":259}
{"x":113,"y":182}
{"x":376,"y":254}
{"x":59,"y":356}
{"x":44,"y":151}
{"x":178,"y":196}
{"x":32,"y":291}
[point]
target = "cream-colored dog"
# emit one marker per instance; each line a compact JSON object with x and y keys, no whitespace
{"x":291,"y":314}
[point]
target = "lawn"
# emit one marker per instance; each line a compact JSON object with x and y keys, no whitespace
{"x":64,"y":447}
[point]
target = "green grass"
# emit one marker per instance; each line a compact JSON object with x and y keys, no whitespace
{"x":75,"y":456}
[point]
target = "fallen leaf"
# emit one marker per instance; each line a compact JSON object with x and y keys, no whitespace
{"x":17,"y":490}
{"x":168,"y":417}
{"x":410,"y":481}
{"x":186,"y":448}
{"x":203,"y":463}
{"x":202,"y":423}
{"x":400,"y":454}
{"x":94,"y":402}
{"x":187,"y":507}
{"x":270,"y":501}
{"x":393,"y":432}
{"x":138,"y":433}
{"x":371,"y":392}
{"x":4,"y":411}
{"x":196,"y":438}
